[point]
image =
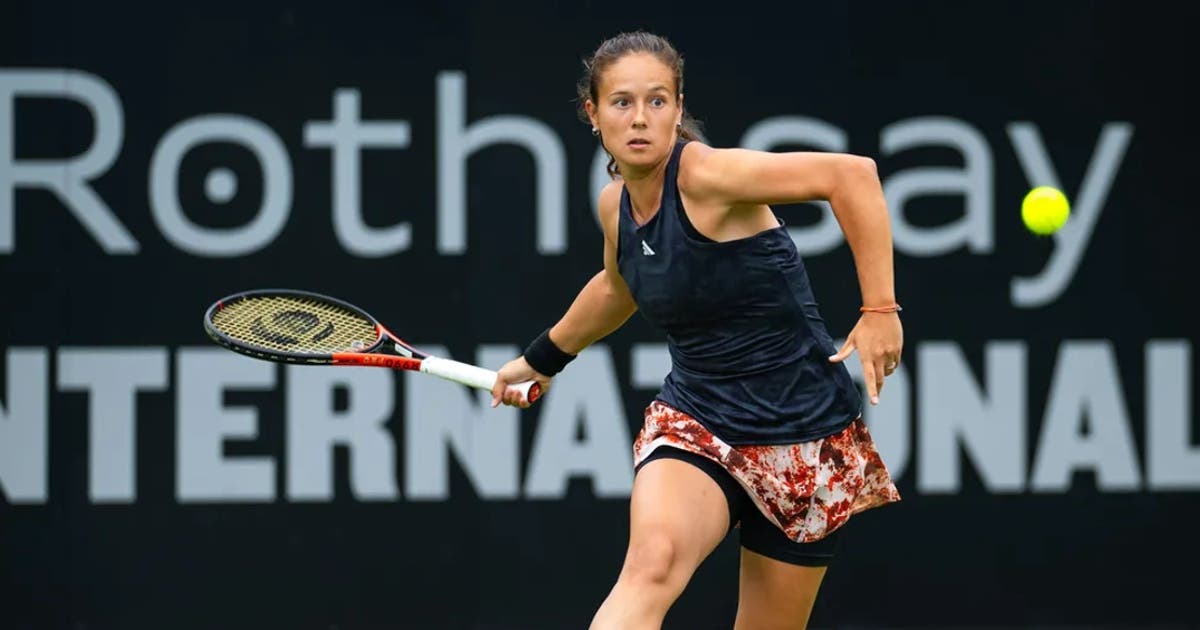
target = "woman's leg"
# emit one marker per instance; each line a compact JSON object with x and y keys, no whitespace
{"x":678,"y":515}
{"x":775,"y":595}
{"x":779,"y":577}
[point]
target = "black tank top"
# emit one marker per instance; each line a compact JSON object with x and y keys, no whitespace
{"x":749,"y":350}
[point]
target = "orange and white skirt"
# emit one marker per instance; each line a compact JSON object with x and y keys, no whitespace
{"x":807,"y":489}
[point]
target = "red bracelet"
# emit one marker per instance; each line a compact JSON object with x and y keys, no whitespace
{"x":893,"y":308}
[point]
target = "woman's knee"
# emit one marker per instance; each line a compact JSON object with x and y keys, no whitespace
{"x":652,"y":559}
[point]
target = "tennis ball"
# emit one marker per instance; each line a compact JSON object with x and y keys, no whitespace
{"x":1044,"y":210}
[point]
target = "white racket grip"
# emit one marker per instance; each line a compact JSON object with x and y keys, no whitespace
{"x":475,"y":376}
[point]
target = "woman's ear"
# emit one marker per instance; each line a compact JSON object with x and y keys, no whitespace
{"x":590,"y":108}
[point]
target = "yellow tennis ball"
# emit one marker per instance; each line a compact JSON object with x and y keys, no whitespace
{"x":1044,"y":210}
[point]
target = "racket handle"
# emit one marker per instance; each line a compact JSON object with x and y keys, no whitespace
{"x":475,"y":376}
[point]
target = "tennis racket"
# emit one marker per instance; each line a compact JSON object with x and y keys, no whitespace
{"x":287,"y":326}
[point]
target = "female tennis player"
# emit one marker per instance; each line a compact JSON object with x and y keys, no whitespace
{"x":758,"y":424}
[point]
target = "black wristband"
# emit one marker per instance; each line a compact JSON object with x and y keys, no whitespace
{"x":545,"y":357}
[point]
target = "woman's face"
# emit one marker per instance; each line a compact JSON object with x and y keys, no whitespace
{"x":637,"y":111}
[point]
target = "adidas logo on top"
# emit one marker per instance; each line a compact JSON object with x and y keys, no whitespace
{"x":646,"y":251}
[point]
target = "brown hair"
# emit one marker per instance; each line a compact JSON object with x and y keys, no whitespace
{"x":615,"y":48}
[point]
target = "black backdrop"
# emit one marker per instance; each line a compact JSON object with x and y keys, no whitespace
{"x":990,"y":532}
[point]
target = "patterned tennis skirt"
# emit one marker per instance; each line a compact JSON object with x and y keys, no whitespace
{"x":807,"y":489}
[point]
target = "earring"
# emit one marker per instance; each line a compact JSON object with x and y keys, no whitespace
{"x":679,"y":124}
{"x":595,"y":131}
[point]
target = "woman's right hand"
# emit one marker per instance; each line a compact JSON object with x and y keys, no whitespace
{"x":516,"y":371}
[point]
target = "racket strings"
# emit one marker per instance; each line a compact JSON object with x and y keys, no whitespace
{"x":294,"y":325}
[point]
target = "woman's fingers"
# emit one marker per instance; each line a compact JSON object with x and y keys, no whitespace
{"x":847,"y":350}
{"x":873,"y":377}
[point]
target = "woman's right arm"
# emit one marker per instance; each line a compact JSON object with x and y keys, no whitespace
{"x":601,"y":307}
{"x":605,"y":303}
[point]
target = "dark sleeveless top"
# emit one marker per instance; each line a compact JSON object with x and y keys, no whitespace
{"x":749,"y":351}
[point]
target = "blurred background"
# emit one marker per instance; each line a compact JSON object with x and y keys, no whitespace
{"x":425,"y":162}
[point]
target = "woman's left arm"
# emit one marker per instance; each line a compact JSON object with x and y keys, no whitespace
{"x":851,"y":185}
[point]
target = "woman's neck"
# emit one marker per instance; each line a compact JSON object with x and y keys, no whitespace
{"x":645,"y":187}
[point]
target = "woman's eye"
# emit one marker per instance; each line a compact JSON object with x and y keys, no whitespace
{"x":658,"y":102}
{"x":621,"y":102}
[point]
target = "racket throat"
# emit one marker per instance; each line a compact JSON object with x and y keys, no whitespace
{"x":377,"y":360}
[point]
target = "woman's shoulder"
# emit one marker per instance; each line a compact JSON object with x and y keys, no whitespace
{"x":610,"y":196}
{"x":697,"y":163}
{"x":608,"y":204}
{"x":694,"y":150}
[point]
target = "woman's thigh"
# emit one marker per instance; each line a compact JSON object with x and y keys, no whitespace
{"x":676,"y":509}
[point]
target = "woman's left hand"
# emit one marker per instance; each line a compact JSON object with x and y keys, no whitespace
{"x":879,"y":339}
